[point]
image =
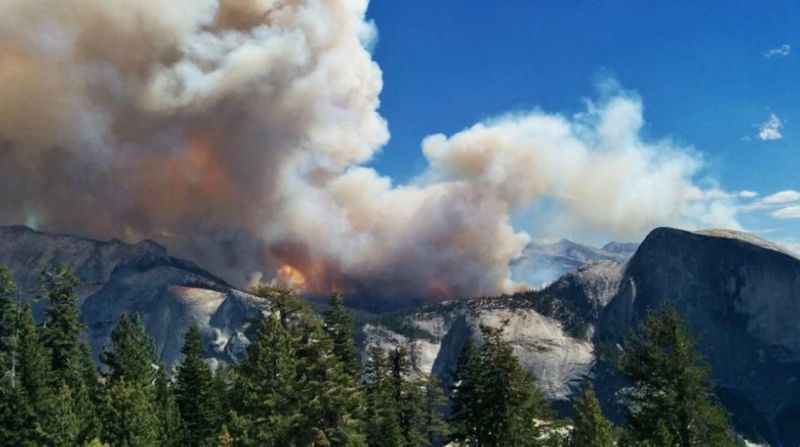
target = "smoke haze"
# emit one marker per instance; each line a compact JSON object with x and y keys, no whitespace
{"x":236,"y":132}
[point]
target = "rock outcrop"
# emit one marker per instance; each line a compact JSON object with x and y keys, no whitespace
{"x":740,"y":292}
{"x":167,"y":292}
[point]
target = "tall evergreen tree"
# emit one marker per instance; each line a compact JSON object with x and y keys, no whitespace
{"x":131,"y":417}
{"x":591,"y":428}
{"x":382,"y":419}
{"x":70,"y":358}
{"x":434,"y":405}
{"x":9,"y":325}
{"x":331,"y":400}
{"x":11,"y":419}
{"x":194,"y":392}
{"x":465,"y":396}
{"x":62,"y":327}
{"x":408,"y":397}
{"x":33,"y":397}
{"x":339,"y":325}
{"x":266,"y":404}
{"x":132,"y":354}
{"x":169,"y":417}
{"x":506,"y":400}
{"x":672,"y":402}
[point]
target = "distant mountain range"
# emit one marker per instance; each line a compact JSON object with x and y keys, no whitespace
{"x":741,"y":292}
{"x":542,"y":263}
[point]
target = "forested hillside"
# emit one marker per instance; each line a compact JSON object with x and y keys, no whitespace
{"x":301,"y":384}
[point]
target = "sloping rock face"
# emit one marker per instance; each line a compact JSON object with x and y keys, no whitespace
{"x":550,"y":330}
{"x":169,"y":293}
{"x":743,"y":295}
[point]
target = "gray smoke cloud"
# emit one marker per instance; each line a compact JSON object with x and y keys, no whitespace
{"x":236,"y":132}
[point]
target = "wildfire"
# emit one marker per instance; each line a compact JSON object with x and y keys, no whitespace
{"x":288,"y":276}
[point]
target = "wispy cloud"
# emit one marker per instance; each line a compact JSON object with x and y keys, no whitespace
{"x":772,"y":201}
{"x":770,"y":129}
{"x":789,"y":212}
{"x":780,"y":51}
{"x":747,"y":194}
{"x":787,"y":196}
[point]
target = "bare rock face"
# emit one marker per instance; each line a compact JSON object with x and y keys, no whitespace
{"x":169,"y":293}
{"x":740,"y":292}
{"x":550,"y":330}
{"x":743,"y":294}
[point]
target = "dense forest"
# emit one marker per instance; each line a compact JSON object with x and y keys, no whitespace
{"x":303,"y":383}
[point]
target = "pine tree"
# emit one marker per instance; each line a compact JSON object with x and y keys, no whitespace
{"x":465,"y":396}
{"x":11,"y":415}
{"x":132,"y":354}
{"x":331,"y":399}
{"x":62,"y":327}
{"x":591,"y":428}
{"x":266,"y":404}
{"x":194,"y":392}
{"x":70,"y":358}
{"x":505,"y":400}
{"x":9,"y":317}
{"x":33,"y":397}
{"x":408,"y":397}
{"x":382,"y":419}
{"x":169,"y":417}
{"x":435,"y":402}
{"x":339,"y":325}
{"x":131,"y":419}
{"x":672,"y":402}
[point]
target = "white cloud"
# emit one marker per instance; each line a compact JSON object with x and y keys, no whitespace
{"x":770,"y":129}
{"x":782,"y":197}
{"x":747,"y":194}
{"x":789,"y":212}
{"x":772,"y":201}
{"x":780,"y":51}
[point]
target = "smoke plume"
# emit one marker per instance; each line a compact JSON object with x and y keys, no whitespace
{"x":236,"y":132}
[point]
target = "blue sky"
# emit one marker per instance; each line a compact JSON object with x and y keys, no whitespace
{"x":704,"y":72}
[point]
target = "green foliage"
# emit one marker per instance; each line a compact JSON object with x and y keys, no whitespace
{"x":9,"y":316}
{"x":299,"y":386}
{"x":132,"y":354}
{"x":194,"y":392}
{"x":339,"y":325}
{"x":591,"y":428}
{"x":401,"y":410}
{"x":32,"y":398}
{"x":62,"y":326}
{"x":382,"y":419}
{"x":295,"y":389}
{"x":671,"y":402}
{"x":166,"y":407}
{"x":132,"y":414}
{"x":496,"y":402}
{"x":266,"y":411}
{"x":131,"y":419}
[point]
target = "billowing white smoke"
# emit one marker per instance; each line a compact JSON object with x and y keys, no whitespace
{"x":236,"y":132}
